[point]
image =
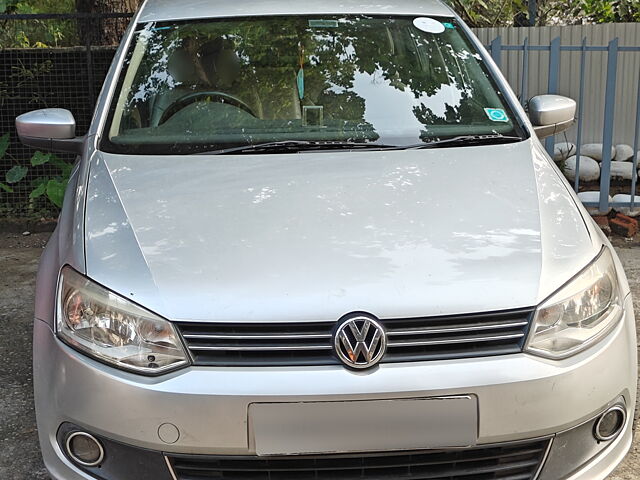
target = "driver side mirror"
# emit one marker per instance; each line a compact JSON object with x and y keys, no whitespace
{"x":551,"y":114}
{"x":51,"y":129}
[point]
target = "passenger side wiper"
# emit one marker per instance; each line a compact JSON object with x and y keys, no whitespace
{"x":465,"y":141}
{"x":297,"y":146}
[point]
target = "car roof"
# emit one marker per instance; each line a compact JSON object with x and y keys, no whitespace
{"x":164,"y":10}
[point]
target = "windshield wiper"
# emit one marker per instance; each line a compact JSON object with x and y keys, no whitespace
{"x":292,"y":146}
{"x":465,"y":141}
{"x":297,"y":146}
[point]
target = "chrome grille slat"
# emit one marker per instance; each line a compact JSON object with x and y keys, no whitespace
{"x":456,"y":329}
{"x":455,"y":340}
{"x":263,"y":348}
{"x":258,"y":337}
{"x":311,"y":343}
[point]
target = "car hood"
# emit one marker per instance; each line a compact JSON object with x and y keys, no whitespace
{"x":313,"y":236}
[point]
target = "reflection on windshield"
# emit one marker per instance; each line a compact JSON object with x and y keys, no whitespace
{"x":195,"y":86}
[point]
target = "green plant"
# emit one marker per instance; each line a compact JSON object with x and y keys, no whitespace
{"x":500,"y":13}
{"x":9,"y":6}
{"x":23,"y":78}
{"x":37,"y":33}
{"x":606,"y":11}
{"x":50,"y":186}
{"x":4,"y":146}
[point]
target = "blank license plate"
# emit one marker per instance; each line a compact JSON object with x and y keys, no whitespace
{"x":360,"y":426}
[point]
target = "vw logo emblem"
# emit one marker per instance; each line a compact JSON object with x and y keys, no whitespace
{"x":360,"y":342}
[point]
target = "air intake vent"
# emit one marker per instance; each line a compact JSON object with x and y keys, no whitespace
{"x":515,"y":461}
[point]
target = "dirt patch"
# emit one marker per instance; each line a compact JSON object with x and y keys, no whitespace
{"x":19,"y":225}
{"x":629,"y":253}
{"x":23,"y":240}
{"x":20,"y":457}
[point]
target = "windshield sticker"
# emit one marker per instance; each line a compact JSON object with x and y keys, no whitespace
{"x":323,"y":23}
{"x":496,"y":114}
{"x":448,"y":25}
{"x":428,"y":25}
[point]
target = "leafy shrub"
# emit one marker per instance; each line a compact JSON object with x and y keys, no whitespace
{"x":51,"y":187}
{"x":37,"y":33}
{"x":485,"y":13}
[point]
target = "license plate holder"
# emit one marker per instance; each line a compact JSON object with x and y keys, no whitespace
{"x":360,"y":426}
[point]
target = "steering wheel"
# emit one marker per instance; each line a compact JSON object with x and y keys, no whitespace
{"x":209,"y":96}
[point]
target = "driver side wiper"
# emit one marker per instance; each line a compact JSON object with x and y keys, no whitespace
{"x":297,"y":146}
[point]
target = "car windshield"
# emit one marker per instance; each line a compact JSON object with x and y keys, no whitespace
{"x":189,"y":87}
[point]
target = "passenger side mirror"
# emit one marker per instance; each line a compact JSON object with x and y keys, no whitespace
{"x":49,"y":129}
{"x":551,"y":114}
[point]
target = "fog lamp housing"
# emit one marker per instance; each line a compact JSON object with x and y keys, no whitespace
{"x":610,"y":423}
{"x":84,"y":449}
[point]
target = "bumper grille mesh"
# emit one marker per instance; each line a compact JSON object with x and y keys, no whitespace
{"x":517,"y":461}
{"x":409,"y":340}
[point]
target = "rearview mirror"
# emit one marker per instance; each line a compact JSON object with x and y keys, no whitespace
{"x":551,"y":114}
{"x":49,"y":129}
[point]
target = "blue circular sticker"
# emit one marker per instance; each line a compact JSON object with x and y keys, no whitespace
{"x":496,"y":114}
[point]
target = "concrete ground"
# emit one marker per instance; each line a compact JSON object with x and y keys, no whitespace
{"x":19,"y":456}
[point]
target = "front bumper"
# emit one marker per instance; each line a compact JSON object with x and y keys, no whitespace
{"x":520,"y":397}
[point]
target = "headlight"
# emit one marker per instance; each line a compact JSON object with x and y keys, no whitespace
{"x":580,"y":313}
{"x":112,"y":329}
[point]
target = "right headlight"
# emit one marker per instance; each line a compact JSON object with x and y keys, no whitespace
{"x":114,"y":330}
{"x":580,"y":313}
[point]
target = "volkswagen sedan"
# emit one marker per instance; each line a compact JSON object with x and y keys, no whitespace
{"x":323,"y":240}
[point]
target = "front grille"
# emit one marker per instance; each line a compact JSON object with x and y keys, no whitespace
{"x":409,"y":340}
{"x":515,"y":461}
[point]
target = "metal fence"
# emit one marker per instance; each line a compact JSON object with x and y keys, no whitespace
{"x":603,"y":77}
{"x":67,"y":72}
{"x":599,"y":66}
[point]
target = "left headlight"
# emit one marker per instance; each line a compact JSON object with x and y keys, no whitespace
{"x":580,"y":313}
{"x":112,"y":329}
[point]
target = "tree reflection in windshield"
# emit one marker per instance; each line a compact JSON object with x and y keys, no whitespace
{"x":231,"y":82}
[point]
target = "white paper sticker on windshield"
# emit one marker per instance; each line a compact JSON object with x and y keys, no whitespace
{"x":321,"y":23}
{"x":428,"y":25}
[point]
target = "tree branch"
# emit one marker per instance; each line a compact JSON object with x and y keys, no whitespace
{"x":499,"y":14}
{"x":467,"y":16}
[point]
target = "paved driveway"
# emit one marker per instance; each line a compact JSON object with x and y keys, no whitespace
{"x":19,"y":456}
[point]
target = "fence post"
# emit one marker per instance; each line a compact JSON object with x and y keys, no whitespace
{"x":609,"y":112}
{"x":636,"y":146}
{"x":524,"y":85}
{"x":87,"y":46}
{"x":552,"y":85}
{"x":496,"y":50}
{"x":533,"y":12}
{"x":583,"y":61}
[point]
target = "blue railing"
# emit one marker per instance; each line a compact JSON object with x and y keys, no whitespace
{"x":613,"y":51}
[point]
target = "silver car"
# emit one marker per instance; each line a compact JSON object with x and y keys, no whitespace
{"x":323,"y":241}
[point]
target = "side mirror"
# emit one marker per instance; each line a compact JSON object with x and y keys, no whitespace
{"x":551,"y":114}
{"x":49,"y":129}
